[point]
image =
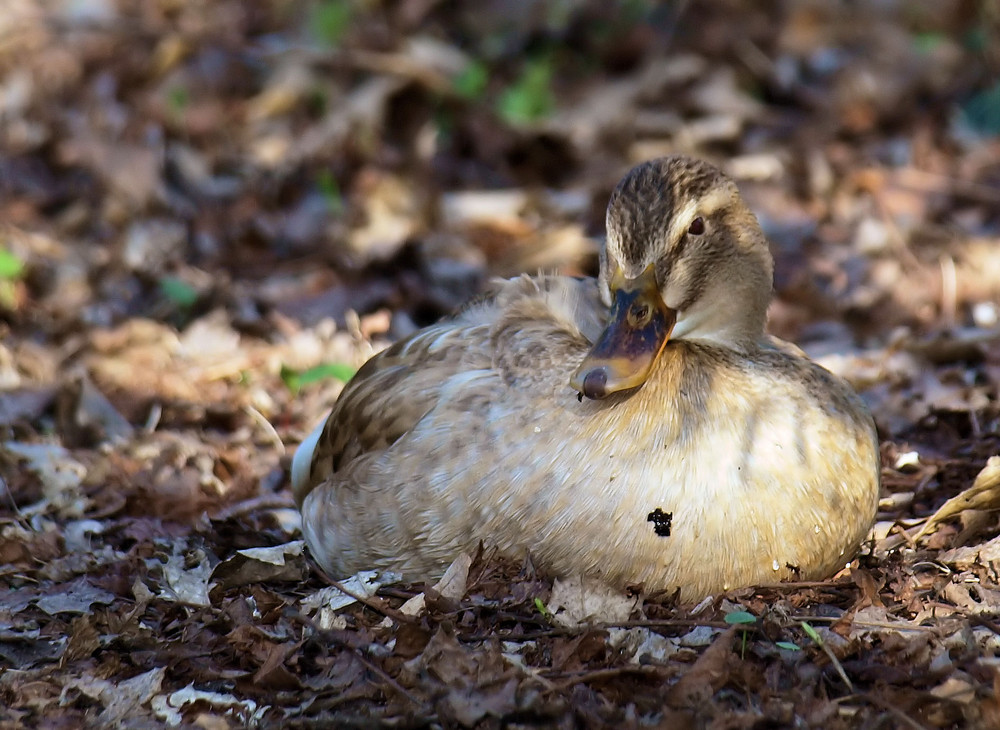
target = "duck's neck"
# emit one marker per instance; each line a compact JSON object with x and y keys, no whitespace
{"x":735,"y":323}
{"x":729,"y":307}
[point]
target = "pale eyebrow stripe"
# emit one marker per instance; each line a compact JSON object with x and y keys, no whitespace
{"x":705,"y":206}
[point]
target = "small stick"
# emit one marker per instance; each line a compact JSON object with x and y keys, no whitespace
{"x":376,"y":605}
{"x":822,"y":645}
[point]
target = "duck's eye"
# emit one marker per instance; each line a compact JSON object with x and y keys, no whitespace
{"x":697,"y":226}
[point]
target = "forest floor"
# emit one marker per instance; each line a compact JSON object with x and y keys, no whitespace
{"x":212,"y":213}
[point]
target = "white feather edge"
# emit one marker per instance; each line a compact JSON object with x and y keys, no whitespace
{"x":302,"y":461}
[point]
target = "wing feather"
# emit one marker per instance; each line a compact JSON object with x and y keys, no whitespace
{"x":521,"y":331}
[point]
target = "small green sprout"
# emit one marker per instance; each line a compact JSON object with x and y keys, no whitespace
{"x":11,"y":271}
{"x":330,"y":190}
{"x":530,"y":98}
{"x":330,"y":20}
{"x":178,"y":292}
{"x":741,"y":618}
{"x":543,"y":609}
{"x":294,"y":380}
{"x":471,"y":82}
{"x":812,"y":634}
{"x":11,"y":267}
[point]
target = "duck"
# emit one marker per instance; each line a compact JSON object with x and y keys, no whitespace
{"x":639,"y":429}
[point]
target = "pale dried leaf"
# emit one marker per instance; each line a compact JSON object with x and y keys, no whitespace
{"x":123,"y":700}
{"x":187,"y":584}
{"x":61,"y":475}
{"x":365,"y":583}
{"x":453,"y":582}
{"x":643,"y":646}
{"x":578,"y":600}
{"x":169,"y":707}
{"x":260,"y":565}
{"x":983,"y":494}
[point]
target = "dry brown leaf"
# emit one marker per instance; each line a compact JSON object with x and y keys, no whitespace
{"x":707,"y":675}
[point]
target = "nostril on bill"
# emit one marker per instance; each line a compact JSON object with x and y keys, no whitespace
{"x":594,"y":384}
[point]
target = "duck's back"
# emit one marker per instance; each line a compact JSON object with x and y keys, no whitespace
{"x":523,"y":333}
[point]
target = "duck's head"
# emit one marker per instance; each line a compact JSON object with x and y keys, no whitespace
{"x":685,"y":259}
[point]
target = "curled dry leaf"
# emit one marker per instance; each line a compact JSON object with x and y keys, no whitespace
{"x":983,"y":494}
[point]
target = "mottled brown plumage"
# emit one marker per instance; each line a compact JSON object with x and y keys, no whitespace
{"x":704,"y":457}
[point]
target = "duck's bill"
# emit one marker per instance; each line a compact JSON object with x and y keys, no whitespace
{"x":639,"y":327}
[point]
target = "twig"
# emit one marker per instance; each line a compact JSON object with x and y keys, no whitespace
{"x":949,"y":290}
{"x":374,"y":604}
{"x":663,"y":624}
{"x":829,"y":653}
{"x":601,"y":674}
{"x":516,"y":638}
{"x":266,"y":425}
{"x":360,"y":656}
{"x":10,"y":496}
{"x":885,"y":705}
{"x":904,"y":532}
{"x":381,"y":673}
{"x":795,"y":585}
{"x":902,"y":626}
{"x":984,"y":622}
{"x":153,"y":419}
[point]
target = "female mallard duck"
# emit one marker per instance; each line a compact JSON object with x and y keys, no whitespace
{"x":640,"y":428}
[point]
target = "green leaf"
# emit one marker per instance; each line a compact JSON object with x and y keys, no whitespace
{"x":543,"y":609}
{"x":928,"y":42}
{"x":530,"y":97}
{"x":330,"y":191}
{"x":787,"y":646}
{"x":740,"y":617}
{"x":295,"y":379}
{"x":471,"y":83}
{"x":178,"y":291}
{"x":811,"y":633}
{"x":330,"y":20}
{"x":11,"y":267}
{"x":178,"y":99}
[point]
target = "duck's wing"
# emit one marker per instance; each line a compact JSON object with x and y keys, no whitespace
{"x":522,"y":333}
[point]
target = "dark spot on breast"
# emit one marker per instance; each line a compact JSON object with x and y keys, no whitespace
{"x":661,"y":521}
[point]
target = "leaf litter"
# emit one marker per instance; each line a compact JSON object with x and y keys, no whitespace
{"x":212,"y":215}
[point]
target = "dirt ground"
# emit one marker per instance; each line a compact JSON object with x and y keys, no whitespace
{"x":211,"y":213}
